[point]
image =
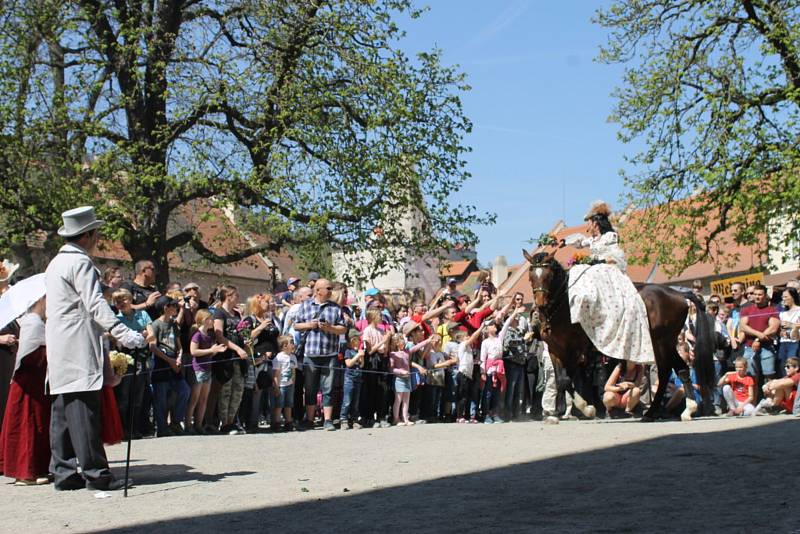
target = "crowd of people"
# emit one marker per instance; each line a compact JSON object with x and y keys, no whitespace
{"x":313,"y":355}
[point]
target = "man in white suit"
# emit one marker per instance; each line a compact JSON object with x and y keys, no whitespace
{"x":77,"y":317}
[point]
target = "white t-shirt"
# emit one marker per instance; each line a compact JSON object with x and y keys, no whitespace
{"x":283,"y":364}
{"x":465,"y":357}
{"x":435,"y":376}
{"x":791,"y":316}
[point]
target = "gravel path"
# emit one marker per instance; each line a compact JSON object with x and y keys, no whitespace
{"x":619,"y":476}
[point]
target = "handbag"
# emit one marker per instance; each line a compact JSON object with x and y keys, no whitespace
{"x":264,"y":376}
{"x":222,"y":366}
{"x":417,"y":380}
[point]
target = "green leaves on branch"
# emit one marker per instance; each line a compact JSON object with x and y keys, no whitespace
{"x":712,"y":91}
{"x":301,"y":120}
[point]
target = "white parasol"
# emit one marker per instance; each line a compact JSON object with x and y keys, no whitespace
{"x":19,"y":297}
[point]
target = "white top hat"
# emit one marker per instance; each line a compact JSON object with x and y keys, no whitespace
{"x":78,"y":221}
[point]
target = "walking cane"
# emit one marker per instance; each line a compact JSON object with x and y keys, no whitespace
{"x":131,"y":393}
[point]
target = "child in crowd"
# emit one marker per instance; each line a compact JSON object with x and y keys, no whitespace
{"x":353,"y":362}
{"x":202,"y":347}
{"x":167,"y":373}
{"x":465,"y":369}
{"x":780,"y":393}
{"x":493,"y":368}
{"x":284,"y":369}
{"x":374,"y":407}
{"x":450,"y":349}
{"x":400,"y":364}
{"x":739,"y":389}
{"x":435,"y":362}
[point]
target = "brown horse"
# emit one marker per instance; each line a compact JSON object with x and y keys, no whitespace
{"x":666,"y":311}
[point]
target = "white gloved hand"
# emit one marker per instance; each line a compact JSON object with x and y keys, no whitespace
{"x":132,"y":340}
{"x":573,"y":239}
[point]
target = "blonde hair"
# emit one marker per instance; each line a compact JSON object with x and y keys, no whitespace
{"x":459,"y":336}
{"x":120,"y":295}
{"x":284,"y":340}
{"x":176,"y":294}
{"x":372,"y":315}
{"x":398,"y":342}
{"x":200,"y":317}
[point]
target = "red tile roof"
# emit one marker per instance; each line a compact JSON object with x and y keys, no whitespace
{"x":456,"y":268}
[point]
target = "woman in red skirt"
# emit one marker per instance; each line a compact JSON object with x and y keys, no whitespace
{"x":25,"y":436}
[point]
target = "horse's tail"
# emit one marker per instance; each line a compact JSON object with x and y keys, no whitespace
{"x":705,"y":344}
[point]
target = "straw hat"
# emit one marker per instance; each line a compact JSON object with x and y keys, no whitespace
{"x":598,"y":207}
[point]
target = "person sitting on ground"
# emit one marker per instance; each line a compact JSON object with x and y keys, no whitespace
{"x":623,"y":387}
{"x":780,"y":394}
{"x":739,"y":389}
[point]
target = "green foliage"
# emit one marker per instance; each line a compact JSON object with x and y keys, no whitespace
{"x":712,"y":92}
{"x":302,"y":117}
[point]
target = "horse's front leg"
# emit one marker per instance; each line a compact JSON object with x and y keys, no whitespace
{"x":655,"y":405}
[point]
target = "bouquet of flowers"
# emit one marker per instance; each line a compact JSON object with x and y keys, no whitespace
{"x":547,"y":240}
{"x":245,"y":330}
{"x":120,"y":362}
{"x":579,"y":258}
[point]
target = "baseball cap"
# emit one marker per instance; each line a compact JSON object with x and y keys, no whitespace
{"x":291,"y":281}
{"x":451,"y":281}
{"x":313,"y":276}
{"x":372,"y":292}
{"x":190,"y":285}
{"x":353,"y":333}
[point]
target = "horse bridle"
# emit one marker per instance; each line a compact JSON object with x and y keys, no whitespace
{"x":546,"y":312}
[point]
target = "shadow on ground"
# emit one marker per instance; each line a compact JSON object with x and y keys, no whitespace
{"x":741,"y":480}
{"x":153,"y":474}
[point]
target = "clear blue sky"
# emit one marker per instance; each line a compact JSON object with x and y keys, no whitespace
{"x":543,"y":148}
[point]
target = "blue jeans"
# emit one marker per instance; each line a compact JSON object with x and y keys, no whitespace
{"x":766,"y":358}
{"x":492,"y":397}
{"x":786,"y":350}
{"x":161,"y":390}
{"x":717,"y":394}
{"x":350,"y":398}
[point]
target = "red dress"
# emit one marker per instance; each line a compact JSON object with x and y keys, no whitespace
{"x":25,"y":437}
{"x":112,"y":425}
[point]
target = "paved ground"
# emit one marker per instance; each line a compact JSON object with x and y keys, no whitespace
{"x":620,"y":476}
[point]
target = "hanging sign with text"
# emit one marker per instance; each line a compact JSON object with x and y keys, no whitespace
{"x":723,"y":287}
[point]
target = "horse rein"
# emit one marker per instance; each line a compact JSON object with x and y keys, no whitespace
{"x":547,"y":311}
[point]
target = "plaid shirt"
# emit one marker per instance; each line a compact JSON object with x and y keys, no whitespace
{"x":319,"y":343}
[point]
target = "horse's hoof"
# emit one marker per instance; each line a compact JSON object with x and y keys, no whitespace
{"x":590,"y":412}
{"x":551,"y":420}
{"x":691,"y":407}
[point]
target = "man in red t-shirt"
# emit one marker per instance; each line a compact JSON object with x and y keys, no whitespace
{"x":760,"y":323}
{"x":780,"y":394}
{"x":739,"y":389}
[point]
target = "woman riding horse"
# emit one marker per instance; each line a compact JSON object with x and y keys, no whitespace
{"x":603,"y":241}
{"x":597,"y":308}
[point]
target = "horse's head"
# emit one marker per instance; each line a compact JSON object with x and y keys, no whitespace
{"x":545,"y":275}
